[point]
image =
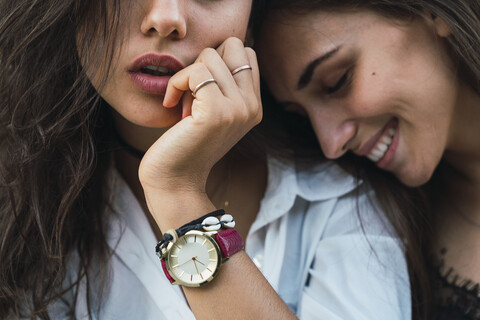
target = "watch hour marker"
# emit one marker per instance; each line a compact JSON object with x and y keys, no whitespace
{"x":209,"y":270}
{"x":173,"y":256}
{"x":204,"y":241}
{"x":195,"y":238}
{"x":211,"y":249}
{"x":191,"y":277}
{"x":181,"y":274}
{"x":175,"y":266}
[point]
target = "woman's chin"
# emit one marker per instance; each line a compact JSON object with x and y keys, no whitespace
{"x":414,"y":179}
{"x":159,"y":118}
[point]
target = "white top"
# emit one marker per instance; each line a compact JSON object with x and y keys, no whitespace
{"x":307,"y":240}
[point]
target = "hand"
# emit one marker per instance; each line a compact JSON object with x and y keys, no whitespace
{"x":213,"y":122}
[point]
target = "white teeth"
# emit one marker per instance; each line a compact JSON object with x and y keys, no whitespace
{"x":378,"y":152}
{"x":387,"y":140}
{"x":382,"y":146}
{"x":373,"y":158}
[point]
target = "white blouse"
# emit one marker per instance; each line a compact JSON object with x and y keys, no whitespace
{"x":307,"y":240}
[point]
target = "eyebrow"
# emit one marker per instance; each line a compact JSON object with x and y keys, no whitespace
{"x":307,"y":73}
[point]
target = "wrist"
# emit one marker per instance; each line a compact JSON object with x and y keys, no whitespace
{"x":173,"y":209}
{"x":192,"y":254}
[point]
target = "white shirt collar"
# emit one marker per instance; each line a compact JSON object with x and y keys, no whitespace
{"x":286,"y":182}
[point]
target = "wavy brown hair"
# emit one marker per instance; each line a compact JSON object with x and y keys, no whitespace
{"x":55,"y":143}
{"x":407,"y":209}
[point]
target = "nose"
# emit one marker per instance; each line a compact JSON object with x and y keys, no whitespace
{"x":166,"y":18}
{"x":334,"y":135}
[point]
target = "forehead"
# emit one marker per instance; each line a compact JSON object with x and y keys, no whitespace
{"x":288,"y":41}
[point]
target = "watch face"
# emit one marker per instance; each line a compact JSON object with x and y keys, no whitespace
{"x":193,"y":259}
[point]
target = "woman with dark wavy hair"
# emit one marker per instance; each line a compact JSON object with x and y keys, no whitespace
{"x":116,"y":124}
{"x":397,"y":84}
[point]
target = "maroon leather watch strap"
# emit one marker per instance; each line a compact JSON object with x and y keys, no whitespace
{"x":167,"y":274}
{"x":229,"y":241}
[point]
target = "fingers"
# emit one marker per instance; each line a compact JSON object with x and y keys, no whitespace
{"x":234,"y":55}
{"x":219,"y":70}
{"x":243,"y":88}
{"x":252,"y":58}
{"x":188,"y":79}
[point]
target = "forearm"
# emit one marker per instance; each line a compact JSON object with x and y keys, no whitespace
{"x":239,"y":290}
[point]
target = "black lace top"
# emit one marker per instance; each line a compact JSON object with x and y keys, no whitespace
{"x":455,"y":298}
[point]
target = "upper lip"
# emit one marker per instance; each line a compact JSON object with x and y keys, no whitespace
{"x":370,"y":144}
{"x":153,"y":59}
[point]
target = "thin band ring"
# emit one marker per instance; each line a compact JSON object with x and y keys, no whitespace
{"x":201,"y":84}
{"x":245,"y":67}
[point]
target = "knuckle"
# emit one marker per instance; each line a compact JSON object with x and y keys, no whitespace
{"x":199,"y":67}
{"x":209,"y":52}
{"x":259,"y":116}
{"x":227,"y":120}
{"x":207,"y":55}
{"x":233,"y":41}
{"x":251,"y":53}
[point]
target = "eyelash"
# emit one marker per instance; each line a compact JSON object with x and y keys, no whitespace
{"x":345,"y":80}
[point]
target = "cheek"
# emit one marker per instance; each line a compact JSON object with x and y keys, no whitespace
{"x":210,"y":29}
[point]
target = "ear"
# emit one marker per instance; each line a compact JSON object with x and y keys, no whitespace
{"x":441,"y":28}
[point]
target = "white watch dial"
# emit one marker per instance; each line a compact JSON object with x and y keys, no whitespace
{"x":193,"y":259}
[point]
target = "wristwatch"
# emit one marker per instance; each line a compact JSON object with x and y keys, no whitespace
{"x":195,"y":257}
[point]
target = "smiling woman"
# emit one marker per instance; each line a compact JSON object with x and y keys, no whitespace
{"x":411,"y":94}
{"x":396,"y":83}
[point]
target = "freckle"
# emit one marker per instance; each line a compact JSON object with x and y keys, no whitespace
{"x":373,"y":73}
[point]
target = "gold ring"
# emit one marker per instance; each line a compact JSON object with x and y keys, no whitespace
{"x":245,"y":67}
{"x":200,"y":85}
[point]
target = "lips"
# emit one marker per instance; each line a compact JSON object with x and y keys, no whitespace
{"x":151,"y":72}
{"x":381,"y":145}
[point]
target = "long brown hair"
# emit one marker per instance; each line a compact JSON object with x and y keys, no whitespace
{"x":407,"y":209}
{"x":55,"y":141}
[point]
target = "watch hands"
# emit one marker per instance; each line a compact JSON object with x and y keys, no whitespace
{"x":181,"y":264}
{"x":200,"y":262}
{"x":195,"y":265}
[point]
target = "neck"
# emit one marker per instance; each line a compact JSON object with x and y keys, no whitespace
{"x":458,"y":186}
{"x":463,"y":148}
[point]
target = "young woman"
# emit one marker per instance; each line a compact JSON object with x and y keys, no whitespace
{"x":117,"y":121}
{"x":397,"y":83}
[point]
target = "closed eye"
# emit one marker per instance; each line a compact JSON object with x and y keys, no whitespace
{"x":340,"y":83}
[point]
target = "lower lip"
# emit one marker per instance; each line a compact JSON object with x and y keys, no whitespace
{"x":150,"y":84}
{"x":389,"y":155}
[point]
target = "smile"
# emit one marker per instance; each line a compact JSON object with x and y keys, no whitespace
{"x":382,"y":146}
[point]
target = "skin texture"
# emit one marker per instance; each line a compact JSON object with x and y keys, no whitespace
{"x":171,"y":180}
{"x":382,"y":71}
